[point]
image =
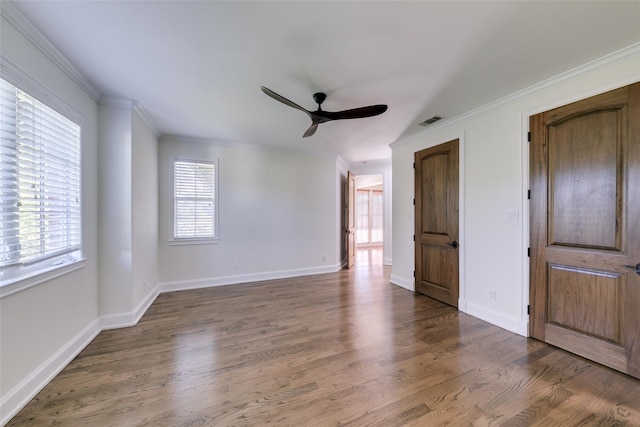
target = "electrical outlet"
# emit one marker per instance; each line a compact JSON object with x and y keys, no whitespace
{"x":492,"y":295}
{"x":324,"y":258}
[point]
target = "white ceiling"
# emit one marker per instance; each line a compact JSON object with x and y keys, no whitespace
{"x":196,"y":67}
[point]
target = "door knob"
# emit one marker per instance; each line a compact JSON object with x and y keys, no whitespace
{"x":454,"y":245}
{"x":635,"y":268}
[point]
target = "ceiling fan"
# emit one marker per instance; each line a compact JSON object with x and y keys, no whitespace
{"x":321,"y":116}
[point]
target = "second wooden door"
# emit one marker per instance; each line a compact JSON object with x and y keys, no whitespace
{"x":436,"y":222}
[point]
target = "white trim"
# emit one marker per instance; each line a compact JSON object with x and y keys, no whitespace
{"x":9,"y":11}
{"x":462,"y":283}
{"x":146,"y":118}
{"x":40,"y":276}
{"x":408,"y":284}
{"x":618,"y":56}
{"x":526,"y":220}
{"x":511,"y":324}
{"x":124,"y":320}
{"x":184,"y":285}
{"x":12,"y":402}
{"x":33,"y":88}
{"x":193,"y":241}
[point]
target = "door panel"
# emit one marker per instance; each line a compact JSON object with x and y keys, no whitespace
{"x":585,"y":231}
{"x":584,"y":166}
{"x":351,"y":219}
{"x":436,"y":222}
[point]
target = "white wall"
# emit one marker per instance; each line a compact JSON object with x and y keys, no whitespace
{"x":115,"y":199}
{"x":41,"y":326}
{"x":276,"y":216}
{"x":128,"y":212}
{"x":145,"y":211}
{"x":494,"y":180}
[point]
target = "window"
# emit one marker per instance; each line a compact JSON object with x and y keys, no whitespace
{"x":40,"y":209}
{"x":369,"y":219}
{"x":194,"y":206}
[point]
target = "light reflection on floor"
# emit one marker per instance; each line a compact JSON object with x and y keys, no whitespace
{"x":369,"y":257}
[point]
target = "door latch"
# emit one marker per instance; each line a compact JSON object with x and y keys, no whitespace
{"x":454,"y":245}
{"x":635,"y":268}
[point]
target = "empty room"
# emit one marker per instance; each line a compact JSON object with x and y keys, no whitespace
{"x":319,"y":213}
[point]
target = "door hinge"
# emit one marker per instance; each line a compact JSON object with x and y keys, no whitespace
{"x":529,"y":136}
{"x":414,"y":202}
{"x":414,"y":237}
{"x":414,"y":273}
{"x":414,"y":165}
{"x":528,"y":309}
{"x":529,"y":194}
{"x":529,"y":252}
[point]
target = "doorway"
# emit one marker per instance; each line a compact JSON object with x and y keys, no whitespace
{"x":369,"y":221}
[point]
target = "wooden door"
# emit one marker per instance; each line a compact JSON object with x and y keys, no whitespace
{"x":351,"y":219}
{"x":585,"y":228}
{"x":436,"y":222}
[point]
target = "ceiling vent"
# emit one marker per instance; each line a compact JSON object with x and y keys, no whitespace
{"x":431,"y":121}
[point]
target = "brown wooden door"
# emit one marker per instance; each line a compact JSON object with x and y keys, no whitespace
{"x":351,"y":219}
{"x":585,"y":228}
{"x":436,"y":222}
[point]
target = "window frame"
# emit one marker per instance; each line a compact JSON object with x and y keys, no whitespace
{"x":31,"y":273}
{"x":195,"y":240}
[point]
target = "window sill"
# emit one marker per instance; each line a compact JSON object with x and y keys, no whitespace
{"x":182,"y":242}
{"x":22,"y":282}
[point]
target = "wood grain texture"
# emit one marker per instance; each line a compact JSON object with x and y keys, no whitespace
{"x":585,"y":205}
{"x":436,"y":222}
{"x":345,"y":348}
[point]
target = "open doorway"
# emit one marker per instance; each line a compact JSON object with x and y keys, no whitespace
{"x":369,"y":221}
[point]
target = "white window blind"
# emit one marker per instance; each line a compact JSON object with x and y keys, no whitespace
{"x":194,"y":199}
{"x":40,"y":207}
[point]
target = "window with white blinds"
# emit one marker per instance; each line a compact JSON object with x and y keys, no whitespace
{"x":40,"y":208}
{"x":194,"y":209}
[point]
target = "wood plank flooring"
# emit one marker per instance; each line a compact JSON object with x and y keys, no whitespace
{"x":345,"y":348}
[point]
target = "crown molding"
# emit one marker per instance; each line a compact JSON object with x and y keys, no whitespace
{"x":134,"y":106}
{"x":613,"y":58}
{"x":146,"y":118}
{"x":11,"y":13}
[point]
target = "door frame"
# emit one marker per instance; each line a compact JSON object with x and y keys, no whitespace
{"x":381,"y":168}
{"x":462,"y":288}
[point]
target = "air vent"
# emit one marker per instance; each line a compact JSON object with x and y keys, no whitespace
{"x":430,"y":121}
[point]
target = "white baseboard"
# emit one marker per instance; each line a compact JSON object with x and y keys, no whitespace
{"x":184,"y":285}
{"x":386,"y":261}
{"x":124,"y":320}
{"x":511,"y":324}
{"x":27,"y":389}
{"x":402,"y":282}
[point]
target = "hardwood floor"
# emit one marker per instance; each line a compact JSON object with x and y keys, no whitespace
{"x":345,"y":348}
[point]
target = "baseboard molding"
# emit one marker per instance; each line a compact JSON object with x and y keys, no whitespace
{"x":124,"y":320}
{"x":386,"y":261}
{"x":511,"y":324}
{"x":28,"y":388}
{"x":184,"y":285}
{"x":402,"y":282}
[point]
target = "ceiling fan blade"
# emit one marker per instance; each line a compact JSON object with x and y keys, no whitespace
{"x":311,"y":130}
{"x":355,"y":113}
{"x":284,"y":100}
